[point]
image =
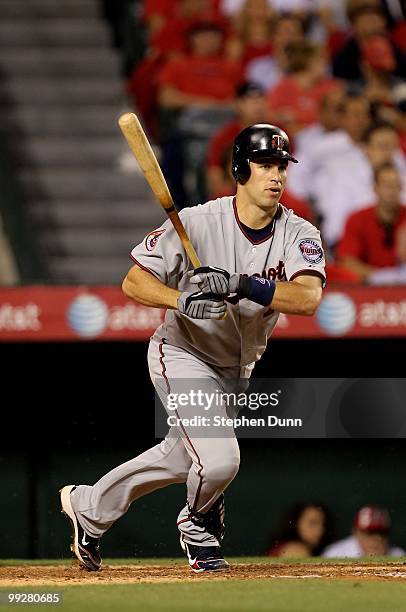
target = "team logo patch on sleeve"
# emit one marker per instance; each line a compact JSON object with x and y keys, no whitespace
{"x":152,"y":239}
{"x":311,"y":251}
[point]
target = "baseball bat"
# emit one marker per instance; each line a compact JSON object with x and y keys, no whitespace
{"x":139,"y":145}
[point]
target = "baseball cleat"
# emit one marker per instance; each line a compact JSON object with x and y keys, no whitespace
{"x":205,"y":558}
{"x":86,"y":548}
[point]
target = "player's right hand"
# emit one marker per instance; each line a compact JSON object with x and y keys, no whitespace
{"x":215,"y":280}
{"x":199,"y":305}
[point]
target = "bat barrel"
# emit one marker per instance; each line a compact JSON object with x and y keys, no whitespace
{"x":142,"y":150}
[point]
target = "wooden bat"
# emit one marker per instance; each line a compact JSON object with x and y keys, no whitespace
{"x":139,"y":145}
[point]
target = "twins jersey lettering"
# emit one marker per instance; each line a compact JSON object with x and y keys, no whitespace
{"x":291,"y":248}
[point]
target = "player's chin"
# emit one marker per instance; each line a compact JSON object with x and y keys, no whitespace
{"x":270,"y":199}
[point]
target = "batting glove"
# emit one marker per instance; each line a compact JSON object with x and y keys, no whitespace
{"x":201,"y":305}
{"x":215,"y":280}
{"x":222,"y":283}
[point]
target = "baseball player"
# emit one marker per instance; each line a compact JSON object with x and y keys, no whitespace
{"x":260,"y":260}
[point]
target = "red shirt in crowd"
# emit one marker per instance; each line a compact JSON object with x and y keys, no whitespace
{"x":368,"y":239}
{"x":166,"y":8}
{"x":169,"y":8}
{"x":337,"y":273}
{"x":211,"y":77}
{"x":291,"y":102}
{"x":222,"y":143}
{"x":299,"y":206}
{"x":253,"y":51}
{"x":173,"y":35}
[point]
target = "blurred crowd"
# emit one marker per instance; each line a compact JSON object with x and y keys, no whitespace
{"x":306,"y":530}
{"x":329,"y":72}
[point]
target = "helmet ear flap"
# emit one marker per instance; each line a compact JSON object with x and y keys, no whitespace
{"x":241,"y":171}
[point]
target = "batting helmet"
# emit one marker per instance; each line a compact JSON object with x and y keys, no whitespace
{"x":259,"y":141}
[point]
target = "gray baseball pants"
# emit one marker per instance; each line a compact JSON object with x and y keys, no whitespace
{"x":206,"y":465}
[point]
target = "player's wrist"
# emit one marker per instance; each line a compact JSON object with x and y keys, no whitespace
{"x":257,"y":289}
{"x":174,"y":299}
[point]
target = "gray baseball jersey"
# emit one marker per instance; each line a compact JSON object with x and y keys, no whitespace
{"x":292,"y":247}
{"x":202,"y":350}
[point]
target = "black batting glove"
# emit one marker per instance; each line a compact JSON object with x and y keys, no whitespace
{"x":210,"y":279}
{"x":219,"y":281}
{"x":199,"y":305}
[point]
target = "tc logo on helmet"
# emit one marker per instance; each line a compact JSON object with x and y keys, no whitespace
{"x":277,"y":142}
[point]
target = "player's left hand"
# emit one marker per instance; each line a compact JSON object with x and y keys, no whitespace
{"x":210,"y":279}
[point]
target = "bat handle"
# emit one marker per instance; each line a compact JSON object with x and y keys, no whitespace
{"x":187,"y":245}
{"x":192,"y":254}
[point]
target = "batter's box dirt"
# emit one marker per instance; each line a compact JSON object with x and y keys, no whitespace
{"x":37,"y":575}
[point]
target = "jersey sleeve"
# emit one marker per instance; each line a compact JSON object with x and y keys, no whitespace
{"x":304,"y":254}
{"x":162,"y":254}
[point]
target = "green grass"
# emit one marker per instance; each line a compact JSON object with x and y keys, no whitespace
{"x":310,"y":595}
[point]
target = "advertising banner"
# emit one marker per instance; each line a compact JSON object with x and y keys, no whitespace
{"x":44,"y":313}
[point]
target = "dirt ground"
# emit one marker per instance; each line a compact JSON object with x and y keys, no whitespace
{"x":62,"y":575}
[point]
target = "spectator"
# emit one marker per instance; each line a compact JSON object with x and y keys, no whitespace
{"x":252,"y":31}
{"x":196,"y":93}
{"x":169,"y":21}
{"x":156,"y":13}
{"x":345,"y":176}
{"x":337,"y":273}
{"x":294,"y":101}
{"x":378,"y":81}
{"x":333,"y":147}
{"x":333,"y":16}
{"x":267,"y":71}
{"x":347,"y":184}
{"x":324,"y":20}
{"x":341,"y":158}
{"x":367,"y":20}
{"x":399,"y":98}
{"x":401,"y":244}
{"x":300,"y":207}
{"x":368,"y":243}
{"x":304,"y":532}
{"x":230,"y":7}
{"x":370,"y":536}
{"x":396,"y":275}
{"x":203,"y":78}
{"x":308,"y":140}
{"x":398,"y":34}
{"x":382,"y":145}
